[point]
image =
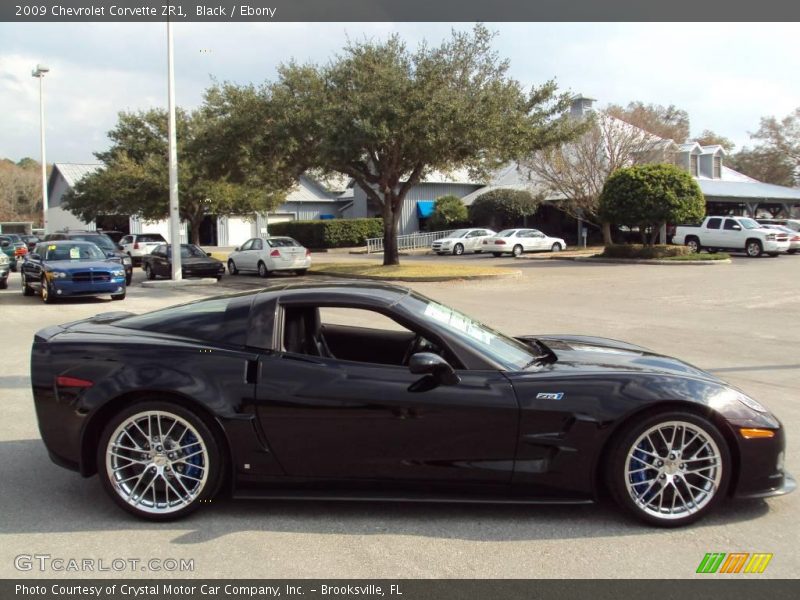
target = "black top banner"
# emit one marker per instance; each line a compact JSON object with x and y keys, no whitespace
{"x":399,"y":10}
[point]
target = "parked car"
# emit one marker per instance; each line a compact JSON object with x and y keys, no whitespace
{"x":272,"y":389}
{"x":462,"y":240}
{"x":4,"y":270}
{"x":30,"y":241}
{"x":793,"y":224}
{"x":194,"y":263}
{"x":517,"y":241}
{"x":265,"y":255}
{"x":794,"y":237}
{"x":13,"y":247}
{"x":741,"y":234}
{"x":58,"y":269}
{"x":114,"y":236}
{"x":138,"y":244}
{"x":100,"y":240}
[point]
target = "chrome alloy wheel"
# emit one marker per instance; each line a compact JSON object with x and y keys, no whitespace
{"x":673,"y":470}
{"x":157,"y":462}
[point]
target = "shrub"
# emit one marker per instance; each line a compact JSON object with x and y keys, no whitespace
{"x":649,"y":196}
{"x":503,"y":208}
{"x":330,"y":233}
{"x":640,"y":251}
{"x":449,"y":212}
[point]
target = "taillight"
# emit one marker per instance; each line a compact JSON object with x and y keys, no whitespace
{"x":275,"y":253}
{"x":500,"y":242}
{"x":73,"y":382}
{"x":20,"y":251}
{"x":308,"y":252}
{"x":796,"y":238}
{"x":135,"y":245}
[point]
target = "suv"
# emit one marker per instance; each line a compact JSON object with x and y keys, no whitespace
{"x":102,"y":241}
{"x":137,"y":245}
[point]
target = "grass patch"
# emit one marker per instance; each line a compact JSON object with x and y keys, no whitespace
{"x":411,"y":271}
{"x":691,"y":257}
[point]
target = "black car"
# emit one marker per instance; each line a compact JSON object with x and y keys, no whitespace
{"x":370,"y":391}
{"x":102,"y":241}
{"x":194,"y":262}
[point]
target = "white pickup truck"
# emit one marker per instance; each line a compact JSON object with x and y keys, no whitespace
{"x":732,"y":233}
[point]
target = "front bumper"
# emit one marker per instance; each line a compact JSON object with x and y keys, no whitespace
{"x":787,"y":486}
{"x":770,"y":246}
{"x":65,"y":287}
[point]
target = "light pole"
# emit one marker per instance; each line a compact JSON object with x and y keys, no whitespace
{"x":174,"y":214}
{"x":39,"y":72}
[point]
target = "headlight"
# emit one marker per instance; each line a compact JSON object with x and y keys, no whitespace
{"x":57,"y":274}
{"x":752,"y":404}
{"x":446,"y":243}
{"x":126,"y":260}
{"x":118,"y":273}
{"x":3,"y":259}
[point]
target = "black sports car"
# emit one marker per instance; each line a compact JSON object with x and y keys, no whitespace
{"x":369,"y":391}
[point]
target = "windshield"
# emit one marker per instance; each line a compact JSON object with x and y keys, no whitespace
{"x":511,"y":354}
{"x":506,"y":233}
{"x":749,"y":224}
{"x":74,"y":252}
{"x":102,"y":241}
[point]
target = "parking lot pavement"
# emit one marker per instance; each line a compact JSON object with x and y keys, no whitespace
{"x":741,"y":321}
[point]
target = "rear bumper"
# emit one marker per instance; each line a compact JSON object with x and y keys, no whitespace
{"x":286,"y":265}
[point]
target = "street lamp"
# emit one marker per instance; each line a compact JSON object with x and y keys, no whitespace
{"x":39,"y":73}
{"x":174,"y":213}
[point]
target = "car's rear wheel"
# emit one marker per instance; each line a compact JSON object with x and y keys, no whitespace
{"x":555,"y":247}
{"x":497,"y":254}
{"x":517,"y":250}
{"x":148,"y":272}
{"x":458,"y":249}
{"x":694,"y":245}
{"x":669,"y":469}
{"x":232,"y":268}
{"x":791,"y":251}
{"x":301,"y":271}
{"x":263,"y":271}
{"x":158,"y":460}
{"x":26,"y":289}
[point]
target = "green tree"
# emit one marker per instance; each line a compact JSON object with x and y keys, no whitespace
{"x":502,"y":208}
{"x":386,"y":116}
{"x":649,"y":196}
{"x":709,"y":138}
{"x":668,"y":122}
{"x":766,"y":164}
{"x":134,"y":178}
{"x":781,"y":135}
{"x":448,"y":212}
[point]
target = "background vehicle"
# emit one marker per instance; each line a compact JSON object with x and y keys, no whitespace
{"x":462,"y":240}
{"x":794,"y":237}
{"x":793,"y":224}
{"x":30,"y":241}
{"x":71,"y":268}
{"x":102,"y":241}
{"x":194,"y":263}
{"x":517,"y":241}
{"x":265,"y":255}
{"x":114,"y":236}
{"x":4,"y":270}
{"x":139,"y":244}
{"x":732,"y":233}
{"x":377,"y":391}
{"x":13,"y":247}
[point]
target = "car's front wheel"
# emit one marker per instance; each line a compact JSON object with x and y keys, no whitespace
{"x":158,"y":460}
{"x":232,"y":268}
{"x":754,"y":249}
{"x":458,"y":249}
{"x":47,"y":295}
{"x":148,"y":272}
{"x":669,"y":469}
{"x":26,"y":289}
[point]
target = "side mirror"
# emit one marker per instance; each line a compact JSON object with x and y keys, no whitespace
{"x":120,"y":247}
{"x":208,"y":253}
{"x":737,"y":227}
{"x":428,"y":363}
{"x":237,"y":249}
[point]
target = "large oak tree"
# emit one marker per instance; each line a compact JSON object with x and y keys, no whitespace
{"x":386,"y":117}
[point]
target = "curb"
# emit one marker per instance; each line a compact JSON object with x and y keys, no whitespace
{"x":643,"y":261}
{"x":169,"y":283}
{"x":512,"y":275}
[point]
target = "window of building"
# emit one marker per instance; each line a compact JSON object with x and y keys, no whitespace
{"x":694,"y":162}
{"x":717,"y":167}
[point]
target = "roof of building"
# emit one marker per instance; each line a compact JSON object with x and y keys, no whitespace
{"x":74,"y":172}
{"x":746,"y":189}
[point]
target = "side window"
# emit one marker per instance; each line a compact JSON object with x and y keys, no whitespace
{"x":257,"y":245}
{"x":247,"y":245}
{"x":475,"y":234}
{"x":713,"y":223}
{"x":731,"y":225}
{"x":125,"y":240}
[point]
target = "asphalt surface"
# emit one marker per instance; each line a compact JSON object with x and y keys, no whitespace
{"x":741,"y":321}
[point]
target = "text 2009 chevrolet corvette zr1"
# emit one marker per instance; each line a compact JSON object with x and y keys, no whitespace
{"x":292,"y":392}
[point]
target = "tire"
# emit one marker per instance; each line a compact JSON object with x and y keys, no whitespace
{"x":646,"y":475}
{"x":458,"y":249}
{"x":694,"y":245}
{"x":263,"y":271}
{"x":710,"y":250}
{"x":142,"y":458}
{"x":516,"y":251}
{"x":3,"y":284}
{"x":497,"y":254}
{"x":47,"y":296}
{"x":791,"y":251}
{"x":232,"y":268}
{"x":128,"y":278}
{"x":118,"y":296}
{"x":301,"y":272}
{"x":753,"y":248}
{"x":148,"y":272}
{"x":773,"y":254}
{"x":555,"y":247}
{"x":26,"y":289}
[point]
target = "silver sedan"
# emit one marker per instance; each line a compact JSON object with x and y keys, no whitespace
{"x":517,"y":241}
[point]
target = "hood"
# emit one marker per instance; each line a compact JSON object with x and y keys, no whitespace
{"x":603,"y":354}
{"x":83,"y":265}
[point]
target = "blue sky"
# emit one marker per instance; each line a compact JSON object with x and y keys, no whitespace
{"x":725,"y":75}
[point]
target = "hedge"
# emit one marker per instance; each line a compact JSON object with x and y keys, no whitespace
{"x":330,"y":233}
{"x":640,"y":251}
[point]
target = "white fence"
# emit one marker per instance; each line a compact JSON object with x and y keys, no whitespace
{"x":411,"y":241}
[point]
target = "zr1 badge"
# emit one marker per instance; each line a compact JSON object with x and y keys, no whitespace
{"x":550,"y":396}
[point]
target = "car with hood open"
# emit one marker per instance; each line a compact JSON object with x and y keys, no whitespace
{"x":368,"y":391}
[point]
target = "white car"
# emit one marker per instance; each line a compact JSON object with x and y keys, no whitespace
{"x":794,"y":237}
{"x":138,"y":245}
{"x":517,"y":241}
{"x":265,"y":255}
{"x":462,"y":240}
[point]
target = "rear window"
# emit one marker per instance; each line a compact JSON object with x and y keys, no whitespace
{"x":102,"y":241}
{"x":151,"y":237}
{"x":218,"y":320}
{"x":281,"y":242}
